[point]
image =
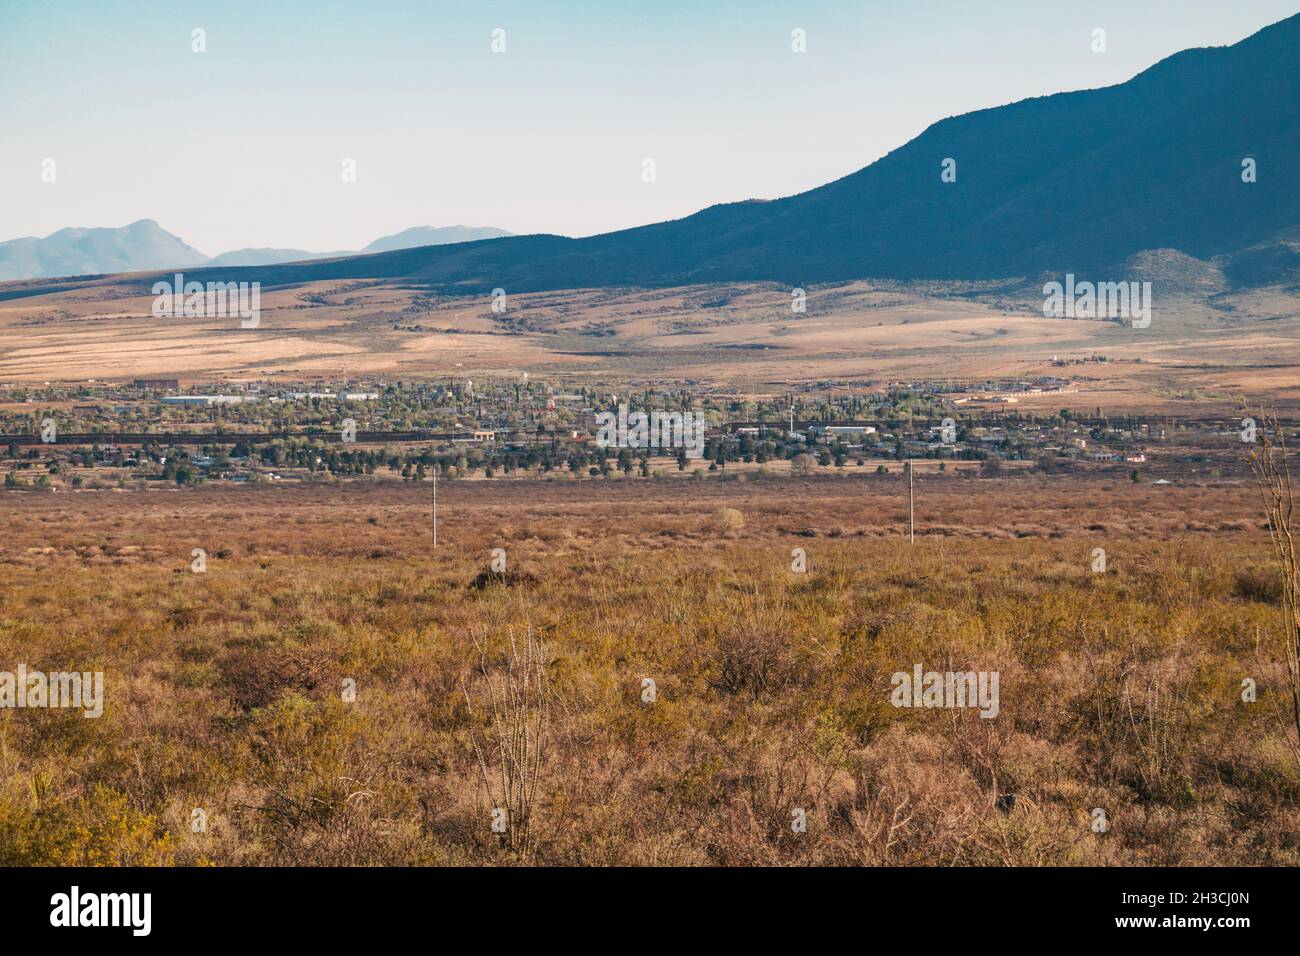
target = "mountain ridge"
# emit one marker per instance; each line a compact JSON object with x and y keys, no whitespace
{"x":144,"y":245}
{"x":1078,"y":181}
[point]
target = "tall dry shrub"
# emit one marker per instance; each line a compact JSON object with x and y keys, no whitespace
{"x":514,"y":709}
{"x":1272,"y":471}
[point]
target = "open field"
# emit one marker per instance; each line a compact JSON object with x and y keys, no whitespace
{"x":1120,"y":691}
{"x":710,"y":647}
{"x":1199,"y":355}
{"x":159,"y":527}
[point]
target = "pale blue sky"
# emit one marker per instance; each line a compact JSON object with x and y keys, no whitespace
{"x":242,"y":145}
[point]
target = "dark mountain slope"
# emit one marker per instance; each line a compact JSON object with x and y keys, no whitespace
{"x":1072,"y":182}
{"x":1077,"y":181}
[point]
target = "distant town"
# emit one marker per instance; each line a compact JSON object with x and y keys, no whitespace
{"x":160,"y":430}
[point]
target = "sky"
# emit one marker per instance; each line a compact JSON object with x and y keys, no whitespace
{"x":244,"y":144}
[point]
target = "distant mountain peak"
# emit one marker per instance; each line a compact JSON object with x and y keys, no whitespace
{"x":433,"y":236}
{"x":144,"y":245}
{"x":138,"y":247}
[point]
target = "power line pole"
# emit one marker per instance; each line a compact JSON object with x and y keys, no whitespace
{"x":911,"y":506}
{"x":435,"y":505}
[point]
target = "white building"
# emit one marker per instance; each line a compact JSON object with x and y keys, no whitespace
{"x":205,"y":399}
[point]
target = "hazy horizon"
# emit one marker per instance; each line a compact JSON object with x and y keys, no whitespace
{"x":242,"y":145}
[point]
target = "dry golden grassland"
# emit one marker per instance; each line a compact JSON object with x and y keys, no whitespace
{"x":1119,"y":690}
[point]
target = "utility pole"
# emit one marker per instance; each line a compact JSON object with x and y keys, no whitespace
{"x":435,"y":504}
{"x":911,"y":506}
